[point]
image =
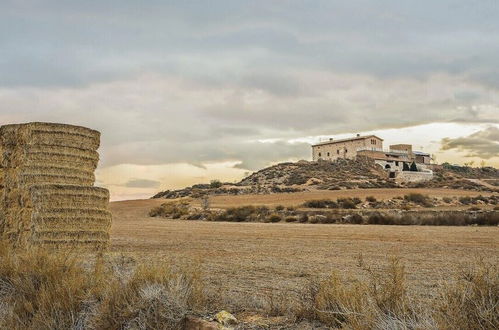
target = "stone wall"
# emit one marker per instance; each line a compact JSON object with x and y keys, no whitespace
{"x":344,"y":149}
{"x":408,"y":176}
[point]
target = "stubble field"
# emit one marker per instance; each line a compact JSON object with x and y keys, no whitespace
{"x":255,"y":259}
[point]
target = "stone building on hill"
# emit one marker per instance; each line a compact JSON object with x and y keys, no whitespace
{"x":397,"y":160}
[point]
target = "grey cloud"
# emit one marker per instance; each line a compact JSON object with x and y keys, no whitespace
{"x":190,"y":82}
{"x":257,"y":155}
{"x":142,"y":183}
{"x":483,"y":144}
{"x":157,"y":119}
{"x":54,"y":43}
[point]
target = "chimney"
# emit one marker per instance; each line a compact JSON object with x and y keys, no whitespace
{"x":330,"y":139}
{"x":358,"y":135}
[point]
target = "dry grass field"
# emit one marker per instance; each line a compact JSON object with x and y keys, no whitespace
{"x":253,"y":259}
{"x":176,"y":274}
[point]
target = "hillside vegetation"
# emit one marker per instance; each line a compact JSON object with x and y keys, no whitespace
{"x":361,"y":173}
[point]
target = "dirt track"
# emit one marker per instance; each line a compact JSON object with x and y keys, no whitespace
{"x":251,"y":257}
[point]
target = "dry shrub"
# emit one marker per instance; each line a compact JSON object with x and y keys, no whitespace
{"x":154,"y":298}
{"x":447,"y":200}
{"x":47,"y":290}
{"x":303,"y":218}
{"x":172,"y":210}
{"x":471,"y":302}
{"x":320,"y":204}
{"x":243,"y":213}
{"x":42,"y":290}
{"x":349,"y":203}
{"x":419,"y":199}
{"x":380,"y":302}
{"x":438,"y":219}
{"x":273,"y":218}
{"x":276,"y":303}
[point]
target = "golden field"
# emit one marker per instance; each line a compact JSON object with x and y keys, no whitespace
{"x":255,"y":258}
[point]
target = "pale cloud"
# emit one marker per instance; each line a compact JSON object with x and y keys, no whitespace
{"x":483,"y":144}
{"x":142,"y":183}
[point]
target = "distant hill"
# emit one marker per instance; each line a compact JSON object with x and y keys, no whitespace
{"x":341,"y":174}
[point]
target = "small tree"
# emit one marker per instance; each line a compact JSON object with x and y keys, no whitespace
{"x":405,"y":167}
{"x":414,"y":167}
{"x":469,"y":164}
{"x":205,"y":202}
{"x":215,"y":184}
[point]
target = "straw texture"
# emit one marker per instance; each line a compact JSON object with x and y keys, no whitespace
{"x":46,"y":186}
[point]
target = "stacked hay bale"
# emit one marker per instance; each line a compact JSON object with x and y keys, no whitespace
{"x":2,"y":220}
{"x":48,"y":196}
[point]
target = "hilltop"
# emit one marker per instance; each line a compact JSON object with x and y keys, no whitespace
{"x":361,"y":173}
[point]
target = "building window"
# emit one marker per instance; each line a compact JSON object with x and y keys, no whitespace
{"x":396,"y":163}
{"x":319,"y":154}
{"x":338,"y":151}
{"x":328,"y":154}
{"x":346,"y":150}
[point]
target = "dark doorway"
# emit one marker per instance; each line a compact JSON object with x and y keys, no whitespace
{"x":392,"y":175}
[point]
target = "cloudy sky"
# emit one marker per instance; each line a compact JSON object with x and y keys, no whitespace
{"x":188,"y":91}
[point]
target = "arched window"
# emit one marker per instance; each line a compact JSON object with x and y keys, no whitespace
{"x":387,"y":166}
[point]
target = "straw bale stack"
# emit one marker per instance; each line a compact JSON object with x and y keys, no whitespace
{"x":2,"y":216}
{"x":48,"y":196}
{"x":70,"y":215}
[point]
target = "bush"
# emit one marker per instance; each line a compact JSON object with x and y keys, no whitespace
{"x":354,"y":219}
{"x":279,"y":208}
{"x":320,"y":204}
{"x":303,"y":218}
{"x":419,"y":199}
{"x":447,"y":200}
{"x":42,"y":289}
{"x":274,"y":218}
{"x":371,"y":199}
{"x":291,"y":219}
{"x":466,"y":200}
{"x":381,"y":300}
{"x":215,"y":184}
{"x":380,"y":219}
{"x":172,"y":210}
{"x":348,"y":203}
{"x":472,"y":301}
{"x":238,"y":214}
{"x":295,"y":179}
{"x":357,"y":304}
